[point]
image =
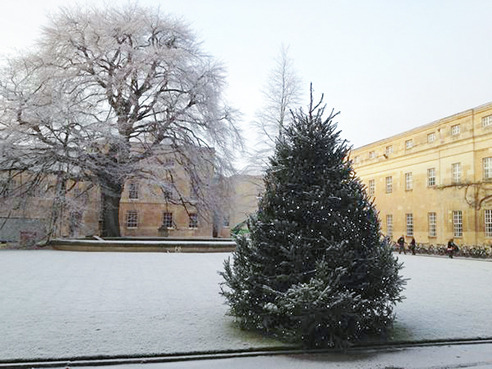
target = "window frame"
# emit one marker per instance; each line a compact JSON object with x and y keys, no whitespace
{"x":457,"y":223}
{"x":167,"y":219}
{"x":432,"y":224}
{"x":455,"y":129}
{"x":487,"y":168}
{"x":133,"y":190}
{"x":431,"y":177}
{"x":409,"y":228}
{"x":487,"y":218}
{"x":487,"y":121}
{"x":431,"y":137}
{"x":456,"y":173}
{"x":371,"y":187}
{"x":408,"y":181}
{"x":389,"y":184}
{"x":389,"y":225}
{"x":193,"y":221}
{"x":409,"y":144}
{"x":131,"y":219}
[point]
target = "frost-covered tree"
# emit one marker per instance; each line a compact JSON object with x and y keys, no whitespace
{"x":105,"y":94}
{"x":315,"y":270}
{"x":281,"y":93}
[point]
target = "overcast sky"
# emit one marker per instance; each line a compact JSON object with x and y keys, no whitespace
{"x":387,"y":65}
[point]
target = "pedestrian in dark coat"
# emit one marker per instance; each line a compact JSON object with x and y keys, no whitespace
{"x":452,"y":248}
{"x":413,"y":246}
{"x":401,"y":245}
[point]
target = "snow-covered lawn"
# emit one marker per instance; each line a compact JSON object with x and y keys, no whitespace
{"x":56,"y":304}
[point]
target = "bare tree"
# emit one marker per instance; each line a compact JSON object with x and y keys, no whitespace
{"x":106,"y":93}
{"x":282,"y":92}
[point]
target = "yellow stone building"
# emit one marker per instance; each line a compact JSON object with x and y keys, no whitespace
{"x":434,"y":182}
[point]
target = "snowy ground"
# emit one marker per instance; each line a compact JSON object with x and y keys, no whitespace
{"x":432,"y":357}
{"x":57,"y":304}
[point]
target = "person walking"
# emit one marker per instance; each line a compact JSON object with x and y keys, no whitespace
{"x":452,"y":248}
{"x":401,"y":245}
{"x":413,"y":246}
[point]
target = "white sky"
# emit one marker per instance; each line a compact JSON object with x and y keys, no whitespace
{"x":387,"y":65}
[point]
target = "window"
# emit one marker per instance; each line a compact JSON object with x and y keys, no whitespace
{"x":457,"y":223}
{"x":131,"y":219}
{"x":408,"y":144}
{"x":133,"y":190}
{"x":193,"y":220}
{"x":431,"y":137}
{"x":431,"y":177}
{"x":432,"y":224}
{"x":389,"y":225}
{"x":456,"y":172}
{"x":372,"y":154}
{"x":455,"y":130}
{"x":167,"y":220}
{"x":356,"y":160}
{"x":226,"y":221}
{"x":389,"y":150}
{"x":372,"y":187}
{"x":389,"y":184}
{"x":408,"y":181}
{"x":487,"y":168}
{"x":488,"y":223}
{"x":409,"y":218}
{"x":487,"y":121}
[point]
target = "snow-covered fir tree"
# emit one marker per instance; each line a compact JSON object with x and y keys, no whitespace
{"x":315,"y":270}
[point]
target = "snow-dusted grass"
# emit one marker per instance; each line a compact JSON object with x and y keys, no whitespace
{"x":56,"y":304}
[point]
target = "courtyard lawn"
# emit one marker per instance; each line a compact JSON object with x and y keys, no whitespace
{"x":56,"y":304}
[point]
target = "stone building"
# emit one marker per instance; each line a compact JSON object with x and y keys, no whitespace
{"x":166,"y":205}
{"x":434,"y":182}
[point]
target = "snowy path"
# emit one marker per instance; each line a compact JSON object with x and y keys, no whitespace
{"x":57,"y":304}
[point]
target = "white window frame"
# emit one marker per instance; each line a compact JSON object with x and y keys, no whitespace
{"x":431,"y":177}
{"x":371,"y":188}
{"x":389,"y":184}
{"x":389,"y":225}
{"x":131,"y":220}
{"x":193,"y":221}
{"x":487,"y":121}
{"x":487,"y":216}
{"x":133,"y":190}
{"x":455,"y":130}
{"x":487,"y":168}
{"x":408,"y":181}
{"x":456,"y":172}
{"x":431,"y":137}
{"x":457,"y":223}
{"x":409,"y":224}
{"x":389,"y":149}
{"x":167,"y":219}
{"x":432,"y":223}
{"x":408,"y":144}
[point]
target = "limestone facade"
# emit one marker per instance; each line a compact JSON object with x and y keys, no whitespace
{"x":433,"y":182}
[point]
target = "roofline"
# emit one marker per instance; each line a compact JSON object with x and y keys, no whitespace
{"x":427,"y":125}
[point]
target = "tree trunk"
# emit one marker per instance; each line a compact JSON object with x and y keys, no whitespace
{"x":110,"y":207}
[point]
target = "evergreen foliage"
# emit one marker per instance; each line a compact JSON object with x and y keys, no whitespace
{"x":314,"y":270}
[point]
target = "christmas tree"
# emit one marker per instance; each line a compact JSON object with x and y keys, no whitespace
{"x":315,"y":269}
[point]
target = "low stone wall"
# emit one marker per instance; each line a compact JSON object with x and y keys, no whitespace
{"x":145,"y":245}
